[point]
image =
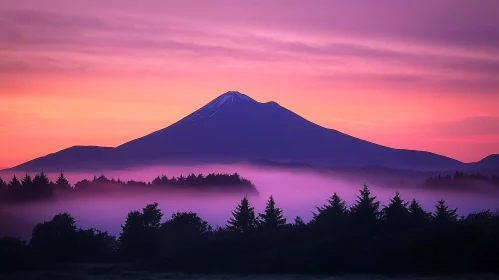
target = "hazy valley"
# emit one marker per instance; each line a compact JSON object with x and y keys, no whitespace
{"x":297,"y":191}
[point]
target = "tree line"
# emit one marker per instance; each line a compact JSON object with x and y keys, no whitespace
{"x":366,"y":237}
{"x":40,"y":186}
{"x":461,"y":179}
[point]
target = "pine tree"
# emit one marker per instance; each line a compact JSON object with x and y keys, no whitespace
{"x":396,"y":213}
{"x":335,"y":208}
{"x":26,"y":182}
{"x":15,"y":184}
{"x":442,"y":213}
{"x":298,"y":222}
{"x":3,"y":190}
{"x":62,"y":182}
{"x":365,"y":209}
{"x":14,"y":189}
{"x":272,"y":218}
{"x":41,"y":185}
{"x":156,"y":181}
{"x":243,"y":220}
{"x":3,"y":184}
{"x":417,"y":215}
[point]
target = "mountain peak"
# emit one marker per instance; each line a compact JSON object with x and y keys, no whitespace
{"x":230,"y":96}
{"x":224,"y":100}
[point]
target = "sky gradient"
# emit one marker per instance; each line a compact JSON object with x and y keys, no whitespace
{"x":406,"y":74}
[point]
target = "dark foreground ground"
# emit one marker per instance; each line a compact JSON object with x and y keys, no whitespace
{"x":108,"y":272}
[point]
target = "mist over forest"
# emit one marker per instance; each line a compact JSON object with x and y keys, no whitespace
{"x":297,"y":191}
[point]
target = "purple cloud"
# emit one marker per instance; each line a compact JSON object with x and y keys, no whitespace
{"x":165,"y":29}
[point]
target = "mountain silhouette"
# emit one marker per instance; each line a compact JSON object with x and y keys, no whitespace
{"x":235,"y":128}
{"x":490,"y":161}
{"x":489,"y":164}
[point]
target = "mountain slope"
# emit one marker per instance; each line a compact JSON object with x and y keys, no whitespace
{"x":491,"y":161}
{"x":234,"y":128}
{"x":488,"y":165}
{"x":73,"y":158}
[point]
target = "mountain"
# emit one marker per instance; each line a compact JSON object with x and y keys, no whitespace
{"x":491,"y":161}
{"x":488,"y":165}
{"x":236,"y":128}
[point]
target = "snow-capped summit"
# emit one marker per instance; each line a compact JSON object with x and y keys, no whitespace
{"x":224,"y":100}
{"x":231,"y":96}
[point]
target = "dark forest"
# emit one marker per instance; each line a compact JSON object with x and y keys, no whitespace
{"x":366,"y":237}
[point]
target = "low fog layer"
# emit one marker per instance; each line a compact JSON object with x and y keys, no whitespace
{"x":297,"y":193}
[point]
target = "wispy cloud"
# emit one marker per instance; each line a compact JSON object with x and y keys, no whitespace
{"x":46,"y":42}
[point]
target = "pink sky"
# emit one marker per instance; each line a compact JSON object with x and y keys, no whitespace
{"x":417,"y":75}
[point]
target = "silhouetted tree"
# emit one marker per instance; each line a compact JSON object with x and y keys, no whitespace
{"x":365,"y":210}
{"x":151,"y":216}
{"x":3,"y":184}
{"x":443,"y":214}
{"x":94,"y":244}
{"x":26,"y":182}
{"x":417,"y":215}
{"x":298,"y":222}
{"x":215,"y":180}
{"x":243,"y":220}
{"x":187,"y":243}
{"x":484,"y":217}
{"x":186,"y":224}
{"x":157,"y":181}
{"x":56,"y":239}
{"x":62,"y":183}
{"x":14,"y":183}
{"x":459,"y":179}
{"x":139,"y":236}
{"x":131,"y":234}
{"x":183,"y":233}
{"x":14,"y":190}
{"x":41,"y":186}
{"x":83,"y":185}
{"x":396,"y":213}
{"x":272,"y":218}
{"x":331,"y":214}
